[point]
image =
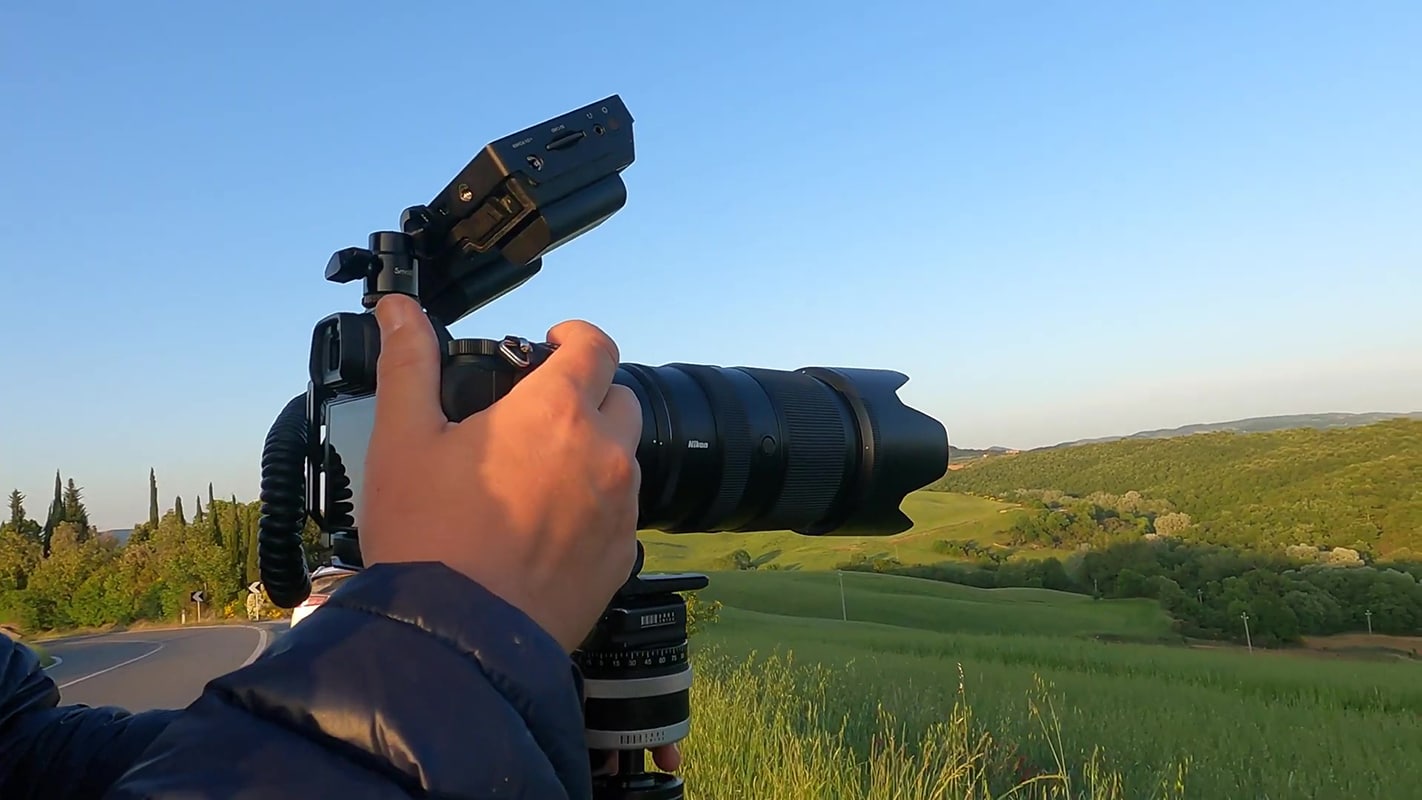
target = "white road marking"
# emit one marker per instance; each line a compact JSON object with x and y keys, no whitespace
{"x":262,"y":637}
{"x":111,"y":669}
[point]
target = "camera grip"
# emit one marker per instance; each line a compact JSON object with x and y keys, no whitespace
{"x":478,"y":372}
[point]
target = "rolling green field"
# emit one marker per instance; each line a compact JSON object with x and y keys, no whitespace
{"x":872,"y":707}
{"x":937,"y":516}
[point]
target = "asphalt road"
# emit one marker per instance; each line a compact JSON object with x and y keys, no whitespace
{"x":146,"y":669}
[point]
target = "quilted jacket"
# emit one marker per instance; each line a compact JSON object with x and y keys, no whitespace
{"x":412,"y":681}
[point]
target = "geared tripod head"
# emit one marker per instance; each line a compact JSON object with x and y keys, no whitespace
{"x":637,"y":681}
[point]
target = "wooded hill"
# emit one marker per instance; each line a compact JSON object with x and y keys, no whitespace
{"x":1257,"y":425}
{"x":1357,"y":487}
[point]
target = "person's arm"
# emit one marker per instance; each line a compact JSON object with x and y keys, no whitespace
{"x":60,"y":752}
{"x":412,"y":680}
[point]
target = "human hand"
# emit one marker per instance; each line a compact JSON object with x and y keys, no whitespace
{"x":535,"y":497}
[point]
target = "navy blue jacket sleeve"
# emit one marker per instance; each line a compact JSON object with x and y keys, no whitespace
{"x":61,"y":753}
{"x":412,"y":680}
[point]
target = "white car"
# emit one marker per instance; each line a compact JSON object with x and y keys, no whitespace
{"x":323,"y":582}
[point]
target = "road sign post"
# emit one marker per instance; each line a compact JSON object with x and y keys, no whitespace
{"x":198,"y":597}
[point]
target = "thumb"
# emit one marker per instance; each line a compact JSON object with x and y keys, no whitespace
{"x":408,"y":370}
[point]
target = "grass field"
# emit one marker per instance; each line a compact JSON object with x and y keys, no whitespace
{"x":937,"y":516}
{"x":872,"y":707}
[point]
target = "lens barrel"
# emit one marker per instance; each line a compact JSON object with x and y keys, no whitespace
{"x":815,"y":451}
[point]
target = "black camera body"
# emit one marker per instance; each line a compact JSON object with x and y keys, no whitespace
{"x":818,"y":450}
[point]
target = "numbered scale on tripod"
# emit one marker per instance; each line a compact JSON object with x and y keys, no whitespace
{"x":595,"y":662}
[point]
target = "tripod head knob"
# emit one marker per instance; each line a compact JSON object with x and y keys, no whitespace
{"x":350,"y":264}
{"x":388,"y":266}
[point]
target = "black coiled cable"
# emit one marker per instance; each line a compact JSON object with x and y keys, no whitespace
{"x":339,"y":508}
{"x":281,"y":558}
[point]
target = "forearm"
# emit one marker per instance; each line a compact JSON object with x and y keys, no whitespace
{"x":53,"y":752}
{"x":411,"y":680}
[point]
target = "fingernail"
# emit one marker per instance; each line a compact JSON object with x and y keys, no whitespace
{"x":393,"y":311}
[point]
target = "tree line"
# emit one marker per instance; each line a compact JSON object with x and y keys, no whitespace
{"x":1354,"y":488}
{"x":1208,"y":588}
{"x":64,"y":573}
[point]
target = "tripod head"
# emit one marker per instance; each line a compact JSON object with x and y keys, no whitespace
{"x":637,"y":681}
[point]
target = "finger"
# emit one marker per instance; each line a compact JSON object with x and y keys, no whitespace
{"x":623,"y":414}
{"x":608,"y":759}
{"x":667,"y":758}
{"x":585,"y":360}
{"x":407,"y":372}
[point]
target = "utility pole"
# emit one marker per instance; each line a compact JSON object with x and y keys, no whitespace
{"x":843,"y":609}
{"x":1369,"y":615}
{"x":1244,"y":615}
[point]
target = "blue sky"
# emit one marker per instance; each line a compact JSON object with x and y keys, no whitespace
{"x":1062,"y":220}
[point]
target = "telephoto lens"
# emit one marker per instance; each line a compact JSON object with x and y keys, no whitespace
{"x":818,"y":450}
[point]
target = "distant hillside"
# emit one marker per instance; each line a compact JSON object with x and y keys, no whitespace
{"x":1357,"y":487}
{"x":964,"y":454}
{"x":121,"y":534}
{"x":1259,"y":425}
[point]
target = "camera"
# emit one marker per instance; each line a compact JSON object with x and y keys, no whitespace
{"x":818,"y":450}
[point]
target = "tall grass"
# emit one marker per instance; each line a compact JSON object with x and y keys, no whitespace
{"x":770,"y":729}
{"x":1262,"y":726}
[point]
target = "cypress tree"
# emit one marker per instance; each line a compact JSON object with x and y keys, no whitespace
{"x":216,"y":518}
{"x":152,"y":500}
{"x":249,"y":545}
{"x":178,"y":509}
{"x":56,"y":506}
{"x":228,"y":545}
{"x":55,"y":516}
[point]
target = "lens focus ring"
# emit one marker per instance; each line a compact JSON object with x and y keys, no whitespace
{"x":821,"y":444}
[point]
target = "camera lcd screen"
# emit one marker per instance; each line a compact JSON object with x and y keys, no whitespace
{"x":349,"y":422}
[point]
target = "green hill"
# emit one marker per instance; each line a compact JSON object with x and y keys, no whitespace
{"x":938,"y":517}
{"x":1250,"y":725}
{"x":956,"y":454}
{"x":936,"y":606}
{"x":1256,"y":425}
{"x":1357,"y":487}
